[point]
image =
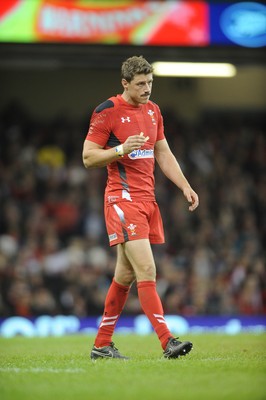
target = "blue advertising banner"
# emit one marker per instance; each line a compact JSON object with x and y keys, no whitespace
{"x":242,"y":24}
{"x":61,"y":325}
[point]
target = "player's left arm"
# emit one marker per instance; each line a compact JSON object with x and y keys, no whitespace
{"x":171,"y":168}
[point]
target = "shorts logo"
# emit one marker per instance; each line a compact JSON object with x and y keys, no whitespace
{"x":141,"y":153}
{"x":113,"y":236}
{"x":132,"y":228}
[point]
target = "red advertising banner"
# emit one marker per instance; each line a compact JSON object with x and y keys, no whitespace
{"x":182,"y":23}
{"x":150,"y":23}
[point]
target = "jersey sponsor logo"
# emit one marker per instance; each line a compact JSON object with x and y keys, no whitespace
{"x":141,"y":153}
{"x":125,"y":119}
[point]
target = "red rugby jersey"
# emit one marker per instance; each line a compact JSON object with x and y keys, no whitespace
{"x":130,"y":178}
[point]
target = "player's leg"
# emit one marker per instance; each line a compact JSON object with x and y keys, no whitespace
{"x":114,"y":304}
{"x":118,"y":292}
{"x":115,"y":299}
{"x":140,"y":255}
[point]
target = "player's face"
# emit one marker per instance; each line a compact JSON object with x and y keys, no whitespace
{"x":138,"y":91}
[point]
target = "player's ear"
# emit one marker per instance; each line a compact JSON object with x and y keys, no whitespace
{"x":125,"y":83}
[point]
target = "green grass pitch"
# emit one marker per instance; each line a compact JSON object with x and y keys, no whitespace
{"x":219,"y":367}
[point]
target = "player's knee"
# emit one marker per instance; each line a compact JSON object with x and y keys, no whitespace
{"x":146,"y":273}
{"x":129,"y":280}
{"x":126,"y":278}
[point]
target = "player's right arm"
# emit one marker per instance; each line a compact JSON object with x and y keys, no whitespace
{"x":95,"y":156}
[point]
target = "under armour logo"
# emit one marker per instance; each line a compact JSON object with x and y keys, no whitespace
{"x":125,"y":119}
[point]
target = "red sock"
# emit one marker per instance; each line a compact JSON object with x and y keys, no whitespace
{"x":114,"y":304}
{"x":152,"y":307}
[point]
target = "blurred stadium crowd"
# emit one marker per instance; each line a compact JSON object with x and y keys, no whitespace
{"x":54,"y":254}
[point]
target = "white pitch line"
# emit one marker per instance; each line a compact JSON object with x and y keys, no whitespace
{"x":43,"y":370}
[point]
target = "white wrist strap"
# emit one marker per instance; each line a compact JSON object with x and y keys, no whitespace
{"x":119,"y":150}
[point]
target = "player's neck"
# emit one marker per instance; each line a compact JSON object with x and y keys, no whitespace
{"x":129,"y":100}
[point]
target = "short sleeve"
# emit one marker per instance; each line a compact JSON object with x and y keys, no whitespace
{"x":100,"y":128}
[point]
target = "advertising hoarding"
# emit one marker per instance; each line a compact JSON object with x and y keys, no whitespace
{"x":146,"y":23}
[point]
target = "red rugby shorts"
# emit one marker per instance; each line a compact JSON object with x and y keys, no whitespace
{"x":134,"y":220}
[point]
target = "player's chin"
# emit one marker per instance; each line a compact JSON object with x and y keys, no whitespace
{"x":144,"y":100}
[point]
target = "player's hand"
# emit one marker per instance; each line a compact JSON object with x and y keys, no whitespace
{"x":134,"y":142}
{"x":191,"y":197}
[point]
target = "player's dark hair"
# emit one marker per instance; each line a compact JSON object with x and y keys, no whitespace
{"x":134,"y":66}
